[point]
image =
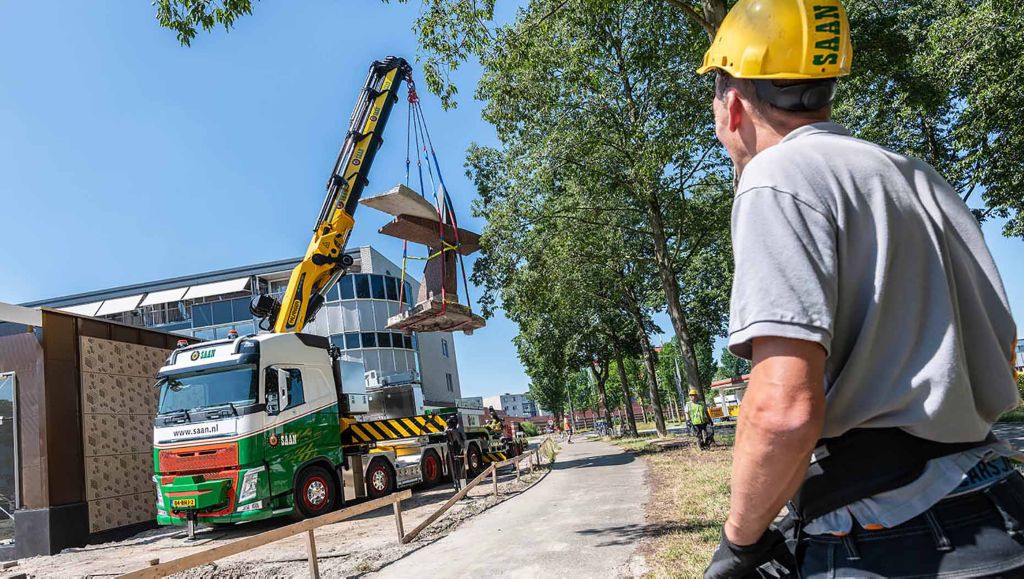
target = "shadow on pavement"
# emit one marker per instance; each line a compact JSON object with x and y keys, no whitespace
{"x":631,"y":534}
{"x":594,"y":461}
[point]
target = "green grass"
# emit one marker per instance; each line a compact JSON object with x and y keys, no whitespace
{"x":1015,"y":415}
{"x":689,"y":503}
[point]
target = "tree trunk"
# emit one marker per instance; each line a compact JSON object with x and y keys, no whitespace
{"x":670,"y":286}
{"x":625,"y":393}
{"x":652,"y":384}
{"x":600,"y":379}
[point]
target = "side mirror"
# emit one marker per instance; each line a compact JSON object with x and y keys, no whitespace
{"x":282,"y":387}
{"x":272,"y":391}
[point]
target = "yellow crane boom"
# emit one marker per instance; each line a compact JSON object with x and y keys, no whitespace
{"x":325,"y":260}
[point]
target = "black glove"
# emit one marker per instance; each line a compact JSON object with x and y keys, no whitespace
{"x":732,"y":561}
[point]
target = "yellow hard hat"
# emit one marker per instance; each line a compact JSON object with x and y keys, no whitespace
{"x":782,"y":39}
{"x":693,"y":392}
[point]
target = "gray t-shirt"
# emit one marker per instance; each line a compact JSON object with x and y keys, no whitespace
{"x":874,"y":256}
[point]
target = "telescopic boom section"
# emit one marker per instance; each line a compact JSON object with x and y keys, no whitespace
{"x":325,"y":260}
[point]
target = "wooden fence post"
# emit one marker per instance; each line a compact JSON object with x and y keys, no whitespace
{"x":314,"y":567}
{"x":398,"y":520}
{"x":494,"y":479}
{"x":517,"y":471}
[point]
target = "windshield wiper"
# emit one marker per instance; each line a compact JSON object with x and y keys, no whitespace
{"x":212,"y":409}
{"x":177,"y":416}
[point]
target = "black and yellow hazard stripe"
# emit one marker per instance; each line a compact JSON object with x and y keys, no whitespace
{"x":391,"y":429}
{"x":495,"y":457}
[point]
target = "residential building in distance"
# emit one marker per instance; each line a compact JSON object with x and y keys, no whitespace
{"x":514,"y":405}
{"x":1019,"y":355}
{"x":208,"y":305}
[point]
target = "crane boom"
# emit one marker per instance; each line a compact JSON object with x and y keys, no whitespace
{"x":325,"y":260}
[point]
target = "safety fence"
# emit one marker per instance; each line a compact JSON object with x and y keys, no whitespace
{"x":491,"y":471}
{"x":248,"y":543}
{"x":536,"y":457}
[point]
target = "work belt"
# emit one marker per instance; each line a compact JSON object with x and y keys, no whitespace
{"x":864,"y":462}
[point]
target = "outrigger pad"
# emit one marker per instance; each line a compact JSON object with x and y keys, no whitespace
{"x":402,"y":200}
{"x":434,"y":316}
{"x":425,"y":232}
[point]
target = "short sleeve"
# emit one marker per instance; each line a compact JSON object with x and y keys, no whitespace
{"x":785,"y":282}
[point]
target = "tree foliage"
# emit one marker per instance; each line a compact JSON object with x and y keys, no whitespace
{"x":931,"y":78}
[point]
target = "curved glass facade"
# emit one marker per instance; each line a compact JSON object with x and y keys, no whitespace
{"x":356,"y":316}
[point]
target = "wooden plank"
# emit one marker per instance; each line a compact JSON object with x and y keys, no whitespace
{"x":398,"y":520}
{"x":402,"y":200}
{"x":494,"y":479}
{"x":455,"y":498}
{"x":242,"y":545}
{"x":314,"y":566}
{"x":427,"y":232}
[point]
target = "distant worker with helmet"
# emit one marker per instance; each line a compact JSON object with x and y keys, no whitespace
{"x":877,"y":323}
{"x":698,"y":417}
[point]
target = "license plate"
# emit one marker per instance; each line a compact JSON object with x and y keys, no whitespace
{"x":176,"y":503}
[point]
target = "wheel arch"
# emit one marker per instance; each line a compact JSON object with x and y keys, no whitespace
{"x":324,"y":463}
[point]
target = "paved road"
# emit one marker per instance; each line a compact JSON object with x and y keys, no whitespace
{"x":583,"y":520}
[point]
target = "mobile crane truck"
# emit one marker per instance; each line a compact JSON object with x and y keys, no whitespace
{"x":280,"y":423}
{"x":265,"y":425}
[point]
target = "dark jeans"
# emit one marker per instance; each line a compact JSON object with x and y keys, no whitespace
{"x":701,"y":432}
{"x":980,"y":534}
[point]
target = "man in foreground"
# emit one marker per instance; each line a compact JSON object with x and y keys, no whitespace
{"x":877,"y":324}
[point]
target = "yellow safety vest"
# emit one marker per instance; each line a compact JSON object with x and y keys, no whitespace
{"x":696,"y":412}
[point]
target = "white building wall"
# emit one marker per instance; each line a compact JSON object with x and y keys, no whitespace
{"x":435,"y":367}
{"x":511,"y":404}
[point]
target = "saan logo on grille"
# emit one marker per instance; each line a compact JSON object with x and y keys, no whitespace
{"x":202,"y":354}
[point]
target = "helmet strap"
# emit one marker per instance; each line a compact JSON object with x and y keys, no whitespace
{"x":803,"y":96}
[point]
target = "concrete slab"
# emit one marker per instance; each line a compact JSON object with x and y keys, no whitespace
{"x":427,"y":232}
{"x":402,"y":200}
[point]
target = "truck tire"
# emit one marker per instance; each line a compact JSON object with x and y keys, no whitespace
{"x":315,"y":492}
{"x":474,"y":464}
{"x":431,"y":468}
{"x":380,"y":479}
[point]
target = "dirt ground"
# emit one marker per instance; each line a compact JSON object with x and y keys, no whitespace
{"x":347,"y":549}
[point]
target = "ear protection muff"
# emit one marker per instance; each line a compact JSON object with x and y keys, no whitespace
{"x":804,"y":96}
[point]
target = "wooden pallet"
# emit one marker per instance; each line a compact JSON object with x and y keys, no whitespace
{"x":435,"y":316}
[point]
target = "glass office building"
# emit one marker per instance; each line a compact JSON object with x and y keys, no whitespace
{"x":209,"y":305}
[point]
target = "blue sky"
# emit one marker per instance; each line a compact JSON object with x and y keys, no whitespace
{"x":126,"y":158}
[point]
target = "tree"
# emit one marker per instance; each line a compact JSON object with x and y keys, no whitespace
{"x":731,"y":366}
{"x":931,"y":78}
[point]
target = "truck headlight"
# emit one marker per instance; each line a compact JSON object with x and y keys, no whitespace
{"x":159,"y":493}
{"x":249,"y":484}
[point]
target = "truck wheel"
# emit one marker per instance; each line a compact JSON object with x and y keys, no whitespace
{"x":314,"y":492}
{"x":474,"y":464}
{"x":431,"y":468}
{"x":379,"y":480}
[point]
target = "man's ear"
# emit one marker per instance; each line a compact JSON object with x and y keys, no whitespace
{"x":736,"y":108}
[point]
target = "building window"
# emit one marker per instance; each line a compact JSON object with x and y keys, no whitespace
{"x":448,"y":379}
{"x":345,"y":285}
{"x":391,"y":285}
{"x":369,"y":340}
{"x":383,"y":339}
{"x":362,"y":282}
{"x":444,"y":348}
{"x":377,"y":287}
{"x":352,"y":340}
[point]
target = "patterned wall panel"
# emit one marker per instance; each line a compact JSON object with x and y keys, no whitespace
{"x":118,"y":407}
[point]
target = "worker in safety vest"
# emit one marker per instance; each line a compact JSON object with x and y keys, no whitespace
{"x":698,"y":417}
{"x":494,"y":424}
{"x":877,"y":323}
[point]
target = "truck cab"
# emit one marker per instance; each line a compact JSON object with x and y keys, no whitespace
{"x":248,"y":428}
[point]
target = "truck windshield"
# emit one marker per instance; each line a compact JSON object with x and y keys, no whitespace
{"x":238,"y":386}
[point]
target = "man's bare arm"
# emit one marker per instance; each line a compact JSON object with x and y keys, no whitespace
{"x":780,"y":419}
